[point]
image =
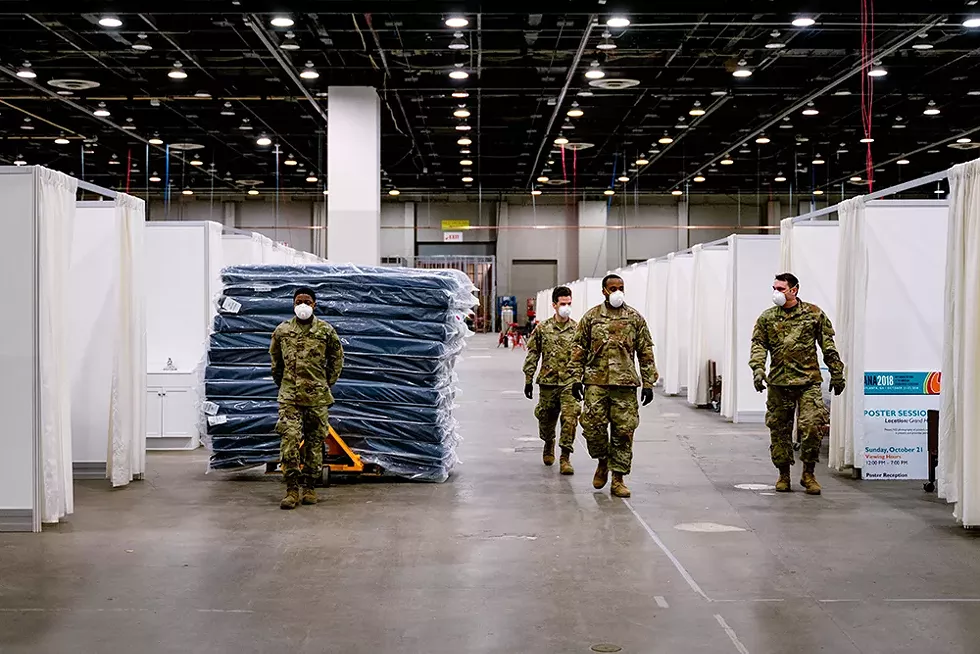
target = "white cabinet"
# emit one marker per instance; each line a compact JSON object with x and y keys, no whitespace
{"x":171,"y":411}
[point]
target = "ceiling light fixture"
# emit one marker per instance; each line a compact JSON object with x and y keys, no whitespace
{"x":228,"y":110}
{"x":25,"y":71}
{"x":697,"y":110}
{"x":460,"y":94}
{"x":289,"y":161}
{"x":964,"y":141}
{"x":155,"y":140}
{"x":818,"y":161}
{"x":463,"y":128}
{"x":464,"y":141}
{"x":972,"y":21}
{"x":312,"y":179}
{"x":609,"y":191}
{"x":187,"y":191}
{"x":196,"y":162}
{"x":459,"y":74}
{"x":699,"y":179}
{"x":624,"y":179}
{"x":263,"y":140}
{"x":561,"y":140}
{"x":465,"y":162}
{"x":458,"y":42}
{"x":155,"y":177}
{"x":142,"y":45}
{"x":204,"y":95}
{"x":467,"y":180}
{"x":457,"y":21}
{"x":177,"y":72}
{"x":289,"y":42}
{"x":309,"y":72}
{"x":877,"y":70}
{"x":780,"y":178}
{"x":903,"y":162}
{"x":618,"y":22}
{"x":762,"y":140}
{"x":465,"y":151}
{"x":543,"y":179}
{"x":727,"y":161}
{"x":282,"y":21}
{"x":594,"y":72}
{"x":462,"y":112}
{"x":535,"y":192}
{"x":856,"y":179}
{"x":61,"y":140}
{"x":867,"y":140}
{"x":394,"y":192}
{"x":607,"y":42}
{"x":931,"y":109}
{"x":677,"y":192}
{"x":253,"y":191}
{"x":110,"y":21}
{"x":665,"y":140}
{"x":810,"y":110}
{"x":19,"y":161}
{"x":922,"y":46}
{"x":818,"y":192}
{"x":642,"y":162}
{"x":776,"y":43}
{"x":803,"y":21}
{"x":101,"y":112}
{"x":742,"y":71}
{"x":575,"y":111}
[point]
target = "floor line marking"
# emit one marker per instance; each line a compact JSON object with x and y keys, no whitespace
{"x":742,"y":601}
{"x":732,"y":636}
{"x":661,"y":602}
{"x":938,"y":599}
{"x":670,"y":555}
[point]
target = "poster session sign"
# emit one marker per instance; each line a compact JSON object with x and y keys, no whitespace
{"x":896,"y":407}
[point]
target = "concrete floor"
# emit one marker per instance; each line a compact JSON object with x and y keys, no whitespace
{"x":506,"y":557}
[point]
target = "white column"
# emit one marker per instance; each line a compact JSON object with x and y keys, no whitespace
{"x":319,"y":222}
{"x":354,"y":175}
{"x":774,"y":213}
{"x":408,"y":233}
{"x":683,"y":222}
{"x":504,"y":257}
{"x":592,"y":258}
{"x":229,"y":213}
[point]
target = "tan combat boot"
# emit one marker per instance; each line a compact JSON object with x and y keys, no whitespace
{"x":808,"y":481}
{"x":548,"y":455}
{"x":783,"y":484}
{"x":291,"y":501}
{"x":601,"y":475}
{"x":566,"y":462}
{"x":309,"y":494}
{"x":619,"y":488}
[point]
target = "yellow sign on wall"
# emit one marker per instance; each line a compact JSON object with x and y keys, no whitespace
{"x":452,"y":225}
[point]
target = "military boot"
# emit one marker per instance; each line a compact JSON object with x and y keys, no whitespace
{"x":566,"y":462}
{"x":619,"y":488}
{"x":808,"y":481}
{"x":291,"y":501}
{"x":309,"y":493}
{"x":548,"y":455}
{"x":783,"y":484}
{"x":601,"y":475}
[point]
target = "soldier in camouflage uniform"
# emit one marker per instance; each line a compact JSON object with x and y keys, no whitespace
{"x":606,"y":341}
{"x":789,"y":334}
{"x":551,"y":342}
{"x":307,"y":359}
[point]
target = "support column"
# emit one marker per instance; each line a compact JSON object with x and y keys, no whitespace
{"x":354,"y":175}
{"x":774,"y":209}
{"x":503,"y":250}
{"x":229,"y":214}
{"x":408,"y":233}
{"x":319,"y":222}
{"x":592,"y":242}
{"x":683,"y":222}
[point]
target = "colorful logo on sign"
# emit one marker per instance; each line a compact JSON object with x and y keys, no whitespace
{"x":902,"y":383}
{"x":933,"y":383}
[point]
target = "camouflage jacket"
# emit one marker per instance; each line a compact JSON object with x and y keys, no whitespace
{"x":551,"y":341}
{"x":606,"y":342}
{"x":790,"y":338}
{"x":306,"y":362}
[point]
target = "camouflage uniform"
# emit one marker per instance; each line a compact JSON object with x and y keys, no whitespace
{"x":790,"y":337}
{"x":306,"y":362}
{"x":551,"y":342}
{"x":606,"y":342}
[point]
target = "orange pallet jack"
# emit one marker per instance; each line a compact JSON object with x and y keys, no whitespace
{"x":338,"y":460}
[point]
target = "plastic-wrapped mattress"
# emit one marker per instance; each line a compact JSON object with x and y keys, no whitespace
{"x":402,"y":332}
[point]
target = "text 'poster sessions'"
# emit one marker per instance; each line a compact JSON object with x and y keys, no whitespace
{"x":896,"y":410}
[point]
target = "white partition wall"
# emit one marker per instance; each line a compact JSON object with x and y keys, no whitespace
{"x":895,"y":336}
{"x":241,"y":249}
{"x":678,"y":327}
{"x":593,"y":293}
{"x":709,"y":284}
{"x":635,"y":282}
{"x":578,"y":298}
{"x":813,"y":248}
{"x":183,"y":279}
{"x":753,"y":264}
{"x":656,"y":308}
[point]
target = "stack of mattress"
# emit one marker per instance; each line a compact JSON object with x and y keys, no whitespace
{"x":402,"y":331}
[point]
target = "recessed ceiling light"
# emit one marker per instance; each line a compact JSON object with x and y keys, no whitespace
{"x":457,"y":21}
{"x":642,"y":162}
{"x":263,"y":140}
{"x":309,"y":72}
{"x":803,"y":21}
{"x":465,"y":162}
{"x":964,"y":140}
{"x":110,"y":21}
{"x":463,"y":128}
{"x":971,"y":22}
{"x":762,"y":140}
{"x":594,"y":72}
{"x":561,"y":140}
{"x":187,"y":191}
{"x":697,"y":110}
{"x":177,"y":72}
{"x":609,"y":191}
{"x":282,"y":21}
{"x":780,"y":178}
{"x":624,"y":179}
{"x":461,"y":113}
{"x":459,"y":74}
{"x":742,"y":70}
{"x":394,"y":192}
{"x":155,"y":178}
{"x":311,"y":179}
{"x":931,"y":109}
{"x":677,"y":192}
{"x":467,"y":180}
{"x":818,"y":192}
{"x":460,"y":94}
{"x":535,"y":192}
{"x":101,"y":112}
{"x":618,"y":21}
{"x":867,"y":140}
{"x":903,"y":162}
{"x":464,"y":141}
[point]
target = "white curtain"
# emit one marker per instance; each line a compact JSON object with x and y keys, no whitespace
{"x":847,"y":410}
{"x":672,"y":381}
{"x":786,"y":244}
{"x":695,"y":353}
{"x":728,"y":376}
{"x":959,"y":418}
{"x":55,"y":227}
{"x":127,"y":427}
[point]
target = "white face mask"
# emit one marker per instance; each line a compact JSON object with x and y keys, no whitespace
{"x":779,"y":298}
{"x":565,"y":311}
{"x":617,"y":299}
{"x":303,"y":311}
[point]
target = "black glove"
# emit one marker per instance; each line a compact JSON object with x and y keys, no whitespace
{"x":646,"y":397}
{"x":578,"y":391}
{"x":759,"y":378}
{"x":837,"y":385}
{"x":529,"y":391}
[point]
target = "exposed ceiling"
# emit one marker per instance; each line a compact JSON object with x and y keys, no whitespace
{"x":240,"y":84}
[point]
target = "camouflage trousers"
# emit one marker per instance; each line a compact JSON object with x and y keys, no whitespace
{"x":303,"y":430}
{"x":781,"y":408}
{"x":556,"y":402}
{"x":610,"y":417}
